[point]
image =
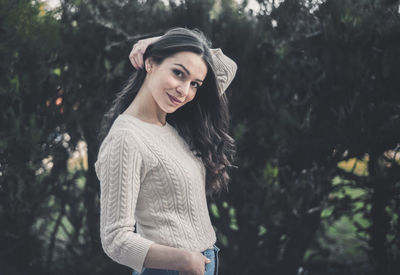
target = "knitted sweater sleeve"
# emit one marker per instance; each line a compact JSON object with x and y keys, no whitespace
{"x":119,"y":168}
{"x":225,"y":69}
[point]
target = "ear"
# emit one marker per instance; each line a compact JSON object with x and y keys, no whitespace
{"x":148,"y":63}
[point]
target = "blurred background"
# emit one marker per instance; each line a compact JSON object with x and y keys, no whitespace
{"x":315,"y":114}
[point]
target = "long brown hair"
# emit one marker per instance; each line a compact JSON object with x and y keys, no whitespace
{"x":202,"y":122}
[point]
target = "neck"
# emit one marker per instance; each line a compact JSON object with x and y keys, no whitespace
{"x":146,"y":108}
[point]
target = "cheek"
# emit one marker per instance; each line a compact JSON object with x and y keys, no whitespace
{"x":191,"y":96}
{"x":168,"y":81}
{"x":162,"y":81}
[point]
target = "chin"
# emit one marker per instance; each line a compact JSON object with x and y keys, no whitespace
{"x":170,"y":110}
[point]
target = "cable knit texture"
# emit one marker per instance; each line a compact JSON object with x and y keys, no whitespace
{"x":149,"y":177}
{"x":225,"y":69}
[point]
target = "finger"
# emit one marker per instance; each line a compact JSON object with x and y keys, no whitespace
{"x":133,"y":61}
{"x":137,"y":61}
{"x":136,"y":51}
{"x":140,"y":58}
{"x":132,"y":58}
{"x":136,"y":55}
{"x":139,"y":52}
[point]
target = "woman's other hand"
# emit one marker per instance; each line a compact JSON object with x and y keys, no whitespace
{"x":185,"y":261}
{"x":195,"y":263}
{"x":138,"y":49}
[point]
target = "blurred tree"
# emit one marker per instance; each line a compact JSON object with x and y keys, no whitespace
{"x":363,"y":100}
{"x":28,"y":99}
{"x":320,"y":98}
{"x":316,"y":86}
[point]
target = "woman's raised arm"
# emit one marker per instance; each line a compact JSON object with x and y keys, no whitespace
{"x":225,"y":67}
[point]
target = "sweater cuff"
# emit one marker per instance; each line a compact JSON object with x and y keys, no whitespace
{"x":135,"y":255}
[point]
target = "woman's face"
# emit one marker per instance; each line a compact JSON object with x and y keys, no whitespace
{"x":175,"y":81}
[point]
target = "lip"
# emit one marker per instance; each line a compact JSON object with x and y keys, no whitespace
{"x":174,"y":100}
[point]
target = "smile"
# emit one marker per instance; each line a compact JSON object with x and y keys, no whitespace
{"x":174,"y":100}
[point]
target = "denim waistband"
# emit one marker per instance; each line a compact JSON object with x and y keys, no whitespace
{"x":211,"y":247}
{"x":211,"y":253}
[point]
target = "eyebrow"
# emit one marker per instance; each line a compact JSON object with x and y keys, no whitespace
{"x":187,"y":71}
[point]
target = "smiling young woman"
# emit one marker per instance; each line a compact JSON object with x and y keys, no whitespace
{"x":169,"y":85}
{"x":164,"y":146}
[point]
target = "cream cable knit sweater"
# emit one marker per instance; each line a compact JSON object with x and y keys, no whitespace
{"x":149,"y":177}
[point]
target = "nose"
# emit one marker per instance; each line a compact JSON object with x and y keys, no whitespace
{"x":183,"y":89}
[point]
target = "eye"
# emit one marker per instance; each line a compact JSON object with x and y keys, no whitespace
{"x":195,"y":84}
{"x":178,"y":73}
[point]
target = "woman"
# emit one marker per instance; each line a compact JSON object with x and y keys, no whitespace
{"x":164,"y":147}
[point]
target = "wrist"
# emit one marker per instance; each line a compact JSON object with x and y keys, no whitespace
{"x":154,"y":39}
{"x":186,"y":259}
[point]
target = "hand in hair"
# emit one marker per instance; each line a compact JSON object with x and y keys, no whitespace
{"x":225,"y":66}
{"x":138,"y":49}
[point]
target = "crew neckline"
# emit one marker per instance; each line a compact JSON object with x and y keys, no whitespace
{"x":148,"y":124}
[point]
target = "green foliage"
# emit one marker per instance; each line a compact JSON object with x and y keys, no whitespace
{"x":314,"y":112}
{"x":28,"y":42}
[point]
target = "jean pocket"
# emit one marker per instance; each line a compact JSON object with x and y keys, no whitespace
{"x":216,"y":250}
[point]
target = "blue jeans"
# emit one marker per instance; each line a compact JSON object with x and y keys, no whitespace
{"x":211,"y":268}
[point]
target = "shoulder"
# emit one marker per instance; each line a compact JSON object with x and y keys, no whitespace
{"x":122,"y":134}
{"x":128,"y":128}
{"x":123,"y":125}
